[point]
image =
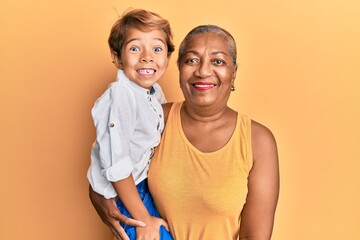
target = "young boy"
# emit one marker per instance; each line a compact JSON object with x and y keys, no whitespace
{"x":129,"y":119}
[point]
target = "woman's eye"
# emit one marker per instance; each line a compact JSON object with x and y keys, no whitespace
{"x":134,"y":49}
{"x":192,"y":60}
{"x":158,"y":49}
{"x":218,"y":62}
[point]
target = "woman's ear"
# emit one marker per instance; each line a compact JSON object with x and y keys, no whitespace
{"x":116,"y":60}
{"x":234,"y":73}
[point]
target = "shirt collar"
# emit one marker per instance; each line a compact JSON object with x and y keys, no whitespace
{"x":138,"y":89}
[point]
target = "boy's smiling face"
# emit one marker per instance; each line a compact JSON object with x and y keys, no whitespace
{"x":144,"y":56}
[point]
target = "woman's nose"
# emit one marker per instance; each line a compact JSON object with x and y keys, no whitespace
{"x":204,"y":70}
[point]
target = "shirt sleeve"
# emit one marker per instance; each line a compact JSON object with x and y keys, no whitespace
{"x":97,"y":181}
{"x":114,"y":115}
{"x":159,"y":94}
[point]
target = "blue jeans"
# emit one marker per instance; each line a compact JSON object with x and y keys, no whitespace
{"x":147,"y":199}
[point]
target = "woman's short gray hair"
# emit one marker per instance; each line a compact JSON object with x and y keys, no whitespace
{"x":209,"y":29}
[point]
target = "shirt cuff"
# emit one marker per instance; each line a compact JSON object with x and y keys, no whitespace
{"x":118,"y":171}
{"x":98,"y":182}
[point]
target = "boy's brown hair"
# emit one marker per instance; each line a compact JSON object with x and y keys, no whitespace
{"x":142,"y":20}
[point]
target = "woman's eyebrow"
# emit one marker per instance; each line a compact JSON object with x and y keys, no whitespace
{"x":219,"y":52}
{"x":191,"y":51}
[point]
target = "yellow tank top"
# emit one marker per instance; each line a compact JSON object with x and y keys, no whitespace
{"x":201,"y":195}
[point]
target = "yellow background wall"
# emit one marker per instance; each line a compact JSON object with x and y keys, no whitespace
{"x":299,"y":74}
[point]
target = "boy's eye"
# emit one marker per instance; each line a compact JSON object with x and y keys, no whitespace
{"x":158,"y":49}
{"x":134,"y":49}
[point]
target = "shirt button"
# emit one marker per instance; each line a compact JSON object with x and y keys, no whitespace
{"x":160,"y":116}
{"x":111,"y":125}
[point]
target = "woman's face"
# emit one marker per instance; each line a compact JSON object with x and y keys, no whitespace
{"x":207,"y":71}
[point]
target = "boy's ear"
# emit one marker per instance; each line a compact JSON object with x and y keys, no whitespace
{"x":168,"y":60}
{"x":116,"y":60}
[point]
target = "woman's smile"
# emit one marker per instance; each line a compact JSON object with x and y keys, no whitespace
{"x":203,"y":86}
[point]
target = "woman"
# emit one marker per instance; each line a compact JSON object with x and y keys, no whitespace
{"x":215,"y":173}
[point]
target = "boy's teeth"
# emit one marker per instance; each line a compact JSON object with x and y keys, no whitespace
{"x":146,"y":71}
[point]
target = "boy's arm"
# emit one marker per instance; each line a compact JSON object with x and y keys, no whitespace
{"x":129,"y":196}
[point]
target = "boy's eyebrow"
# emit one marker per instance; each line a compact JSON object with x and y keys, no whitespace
{"x":136,"y":39}
{"x":161,"y":40}
{"x":131,"y":40}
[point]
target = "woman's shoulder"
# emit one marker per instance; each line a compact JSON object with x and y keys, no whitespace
{"x":166,"y":109}
{"x":259,"y":128}
{"x":261,"y":133}
{"x":262,"y":140}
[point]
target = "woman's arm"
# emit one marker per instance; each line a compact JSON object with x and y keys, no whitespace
{"x":257,"y":217}
{"x":111,"y":216}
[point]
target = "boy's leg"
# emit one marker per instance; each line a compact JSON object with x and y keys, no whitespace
{"x":147,"y":199}
{"x":150,"y":206}
{"x":130,"y":230}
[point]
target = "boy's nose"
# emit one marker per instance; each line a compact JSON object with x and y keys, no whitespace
{"x":147,"y":57}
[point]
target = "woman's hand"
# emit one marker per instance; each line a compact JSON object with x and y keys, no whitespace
{"x":152,"y":229}
{"x":111,"y":216}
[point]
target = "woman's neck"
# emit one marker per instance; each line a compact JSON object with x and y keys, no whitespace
{"x":206,"y":113}
{"x":207,"y":128}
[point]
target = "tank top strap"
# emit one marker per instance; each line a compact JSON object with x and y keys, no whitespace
{"x":244,"y":123}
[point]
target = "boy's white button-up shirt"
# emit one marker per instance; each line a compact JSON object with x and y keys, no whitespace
{"x":129,"y":121}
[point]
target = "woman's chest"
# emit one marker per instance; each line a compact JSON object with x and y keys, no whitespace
{"x":195,"y":186}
